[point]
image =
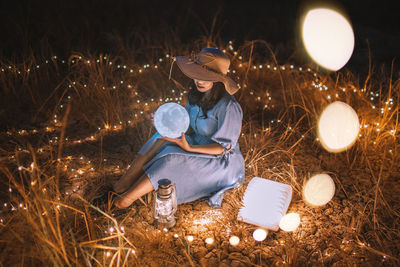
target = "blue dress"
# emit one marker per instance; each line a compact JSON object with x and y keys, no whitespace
{"x":196,"y":175}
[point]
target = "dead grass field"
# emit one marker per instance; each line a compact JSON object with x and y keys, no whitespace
{"x":73,"y":125}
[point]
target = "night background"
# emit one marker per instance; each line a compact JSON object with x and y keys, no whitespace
{"x":76,"y":96}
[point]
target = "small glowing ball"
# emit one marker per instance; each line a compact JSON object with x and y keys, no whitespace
{"x":319,"y":190}
{"x":259,"y":234}
{"x":190,"y":238}
{"x":171,"y":120}
{"x":328,"y":38}
{"x":338,"y":127}
{"x":290,"y":222}
{"x":234,"y":240}
{"x":209,"y":240}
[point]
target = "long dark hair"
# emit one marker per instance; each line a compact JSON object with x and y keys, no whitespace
{"x":207,"y":100}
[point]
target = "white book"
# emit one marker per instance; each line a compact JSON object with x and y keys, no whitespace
{"x":265,"y":202}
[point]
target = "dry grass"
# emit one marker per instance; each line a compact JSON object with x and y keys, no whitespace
{"x":86,"y":117}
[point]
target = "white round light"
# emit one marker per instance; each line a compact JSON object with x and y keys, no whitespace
{"x":328,"y":38}
{"x":209,"y":240}
{"x":171,"y":120}
{"x":190,"y":238}
{"x":259,"y":234}
{"x":338,"y":127}
{"x":234,"y":240}
{"x":290,"y":222}
{"x":319,"y":190}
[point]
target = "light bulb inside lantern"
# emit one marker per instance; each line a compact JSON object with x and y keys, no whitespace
{"x":319,"y":190}
{"x":290,"y":222}
{"x":234,"y":240}
{"x":328,"y":38}
{"x":338,"y":127}
{"x":259,"y":234}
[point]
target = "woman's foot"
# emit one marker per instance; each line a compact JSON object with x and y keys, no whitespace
{"x":122,"y":202}
{"x":137,"y":190}
{"x":131,"y":175}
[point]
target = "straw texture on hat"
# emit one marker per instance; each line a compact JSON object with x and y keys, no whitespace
{"x":211,"y":65}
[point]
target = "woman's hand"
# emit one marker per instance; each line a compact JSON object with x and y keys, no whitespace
{"x":182,"y":143}
{"x":211,"y":149}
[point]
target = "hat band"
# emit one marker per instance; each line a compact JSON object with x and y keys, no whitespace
{"x":208,"y":68}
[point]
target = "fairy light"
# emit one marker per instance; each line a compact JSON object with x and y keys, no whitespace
{"x":209,"y":240}
{"x":290,"y":222}
{"x":259,"y":234}
{"x":190,"y":238}
{"x":321,"y":86}
{"x":234,"y":240}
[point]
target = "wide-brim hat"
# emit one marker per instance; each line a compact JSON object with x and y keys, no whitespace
{"x":210,"y":65}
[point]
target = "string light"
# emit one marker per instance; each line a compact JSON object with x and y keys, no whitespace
{"x":315,"y":84}
{"x":259,"y":234}
{"x":234,"y":240}
{"x":209,"y":240}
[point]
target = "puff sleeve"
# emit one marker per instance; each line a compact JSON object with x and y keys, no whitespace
{"x":229,"y":125}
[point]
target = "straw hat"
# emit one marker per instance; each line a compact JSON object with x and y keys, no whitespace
{"x":210,"y":65}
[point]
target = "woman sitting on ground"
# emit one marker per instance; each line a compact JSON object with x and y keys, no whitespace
{"x":206,"y":161}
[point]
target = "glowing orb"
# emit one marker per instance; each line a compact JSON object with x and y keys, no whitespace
{"x":290,"y":222}
{"x":319,"y":190}
{"x":190,"y":238}
{"x":209,"y":240}
{"x":259,"y":234}
{"x":338,"y":127}
{"x":234,"y":240}
{"x":171,"y":120}
{"x":328,"y":38}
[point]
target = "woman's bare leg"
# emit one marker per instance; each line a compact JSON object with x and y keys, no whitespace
{"x":138,"y":189}
{"x":135,"y":171}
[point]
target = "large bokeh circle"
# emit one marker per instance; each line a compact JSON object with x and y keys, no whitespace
{"x":338,"y":127}
{"x":319,"y":190}
{"x":328,"y":38}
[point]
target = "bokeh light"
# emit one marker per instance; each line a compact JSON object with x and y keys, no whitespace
{"x":209,"y":240}
{"x":234,"y":240}
{"x":290,"y":222}
{"x":338,"y":127}
{"x":319,"y":190}
{"x":328,"y":38}
{"x":259,"y":234}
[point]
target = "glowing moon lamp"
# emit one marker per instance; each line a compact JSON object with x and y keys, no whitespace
{"x":259,"y":234}
{"x":290,"y":222}
{"x":338,"y":127}
{"x":319,"y":190}
{"x":328,"y":38}
{"x":171,"y":120}
{"x":234,"y":240}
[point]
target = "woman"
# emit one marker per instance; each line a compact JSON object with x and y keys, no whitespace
{"x":207,"y":161}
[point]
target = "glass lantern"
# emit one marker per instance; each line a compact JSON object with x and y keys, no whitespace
{"x":164,"y":204}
